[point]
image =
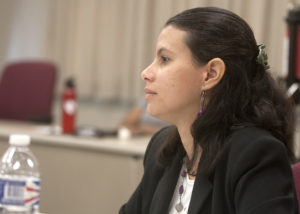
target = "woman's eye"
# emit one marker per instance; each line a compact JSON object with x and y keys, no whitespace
{"x":165,"y":59}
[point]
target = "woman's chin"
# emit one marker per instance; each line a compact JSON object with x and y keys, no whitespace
{"x":153,"y":112}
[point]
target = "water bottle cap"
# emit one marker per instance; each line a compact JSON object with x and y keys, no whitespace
{"x":19,"y":140}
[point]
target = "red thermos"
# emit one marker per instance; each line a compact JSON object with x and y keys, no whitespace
{"x":69,"y":107}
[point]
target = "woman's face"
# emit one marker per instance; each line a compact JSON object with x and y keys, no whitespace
{"x":173,"y":80}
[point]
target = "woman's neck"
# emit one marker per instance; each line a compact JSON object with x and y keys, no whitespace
{"x":188,"y":144}
{"x":187,"y":140}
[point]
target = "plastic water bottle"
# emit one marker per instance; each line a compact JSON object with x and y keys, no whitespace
{"x":19,"y":178}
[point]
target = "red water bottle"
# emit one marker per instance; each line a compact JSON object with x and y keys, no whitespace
{"x":69,"y":107}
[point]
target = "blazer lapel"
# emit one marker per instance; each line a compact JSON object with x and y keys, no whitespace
{"x":202,"y":189}
{"x":165,"y":189}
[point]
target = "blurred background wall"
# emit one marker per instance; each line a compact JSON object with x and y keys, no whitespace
{"x":105,"y":44}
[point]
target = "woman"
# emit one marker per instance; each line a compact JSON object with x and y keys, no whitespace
{"x":230,"y":148}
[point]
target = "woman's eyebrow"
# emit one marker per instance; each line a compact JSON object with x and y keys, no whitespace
{"x":160,"y":50}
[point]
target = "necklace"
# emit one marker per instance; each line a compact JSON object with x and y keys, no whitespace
{"x":179,"y":206}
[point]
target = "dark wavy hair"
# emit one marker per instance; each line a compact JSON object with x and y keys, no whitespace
{"x":247,"y":94}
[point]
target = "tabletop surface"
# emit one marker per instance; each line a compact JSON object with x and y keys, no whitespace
{"x":43,"y":134}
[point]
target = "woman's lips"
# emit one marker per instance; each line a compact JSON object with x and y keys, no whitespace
{"x":149,"y":92}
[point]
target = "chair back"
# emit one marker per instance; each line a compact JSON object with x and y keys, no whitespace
{"x":26,"y":91}
{"x":296,"y":174}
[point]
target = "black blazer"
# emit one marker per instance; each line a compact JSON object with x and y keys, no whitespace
{"x":252,"y":176}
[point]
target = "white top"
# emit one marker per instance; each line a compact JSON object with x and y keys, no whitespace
{"x":19,"y":140}
{"x":188,"y":185}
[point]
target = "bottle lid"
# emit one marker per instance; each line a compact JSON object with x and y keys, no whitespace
{"x":19,"y":140}
{"x":70,"y":83}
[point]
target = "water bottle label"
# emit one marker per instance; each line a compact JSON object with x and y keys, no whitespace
{"x":19,"y":192}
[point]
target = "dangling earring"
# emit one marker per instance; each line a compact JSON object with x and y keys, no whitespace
{"x":201,"y":104}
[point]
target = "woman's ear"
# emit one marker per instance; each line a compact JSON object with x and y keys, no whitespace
{"x":215,"y":70}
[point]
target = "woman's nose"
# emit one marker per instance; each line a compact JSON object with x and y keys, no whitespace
{"x":148,"y":74}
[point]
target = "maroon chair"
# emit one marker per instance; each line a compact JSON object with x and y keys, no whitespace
{"x":296,"y":173}
{"x":26,"y":91}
